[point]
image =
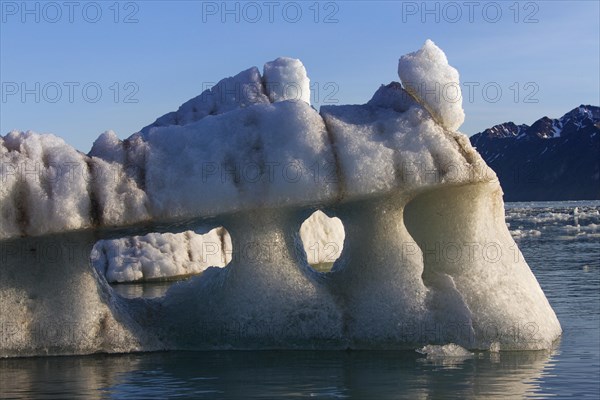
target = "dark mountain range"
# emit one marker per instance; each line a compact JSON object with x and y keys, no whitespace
{"x":553,"y":159}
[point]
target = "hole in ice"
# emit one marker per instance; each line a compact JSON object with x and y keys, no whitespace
{"x":323,"y":240}
{"x":146,"y":266}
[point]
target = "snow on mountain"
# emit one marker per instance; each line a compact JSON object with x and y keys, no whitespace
{"x":553,"y":159}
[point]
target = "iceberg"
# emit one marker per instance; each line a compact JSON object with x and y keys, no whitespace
{"x":427,"y":257}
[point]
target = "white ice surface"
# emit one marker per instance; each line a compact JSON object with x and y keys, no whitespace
{"x":382,"y":149}
{"x":427,"y":75}
{"x":323,"y":238}
{"x":158,"y":256}
{"x":518,"y":233}
{"x":44,"y":185}
{"x":285,"y":79}
{"x":239,"y":91}
{"x":261,"y":156}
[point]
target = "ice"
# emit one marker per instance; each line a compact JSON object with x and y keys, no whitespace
{"x":382,"y":149}
{"x":322,"y":238}
{"x":551,"y":220}
{"x":495,"y":347}
{"x":285,"y":79}
{"x":392,"y":96}
{"x":448,"y":350}
{"x":426,"y":248}
{"x":239,"y":91}
{"x":44,"y":185}
{"x":447,"y":356}
{"x":519,"y":233}
{"x":160,"y":256}
{"x":581,"y":228}
{"x":260,"y":156}
{"x":115,"y":173}
{"x":427,"y":75}
{"x":52,"y":302}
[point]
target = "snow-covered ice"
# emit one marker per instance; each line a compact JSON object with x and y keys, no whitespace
{"x":285,"y":79}
{"x":322,"y":238}
{"x":427,"y":75}
{"x":519,"y":233}
{"x":241,"y":90}
{"x":158,"y":256}
{"x":395,"y":171}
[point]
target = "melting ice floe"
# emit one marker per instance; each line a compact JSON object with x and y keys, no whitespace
{"x":404,"y":184}
{"x":448,"y":350}
{"x":556,"y":220}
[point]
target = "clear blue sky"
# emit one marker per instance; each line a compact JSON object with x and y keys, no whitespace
{"x":543,"y":55}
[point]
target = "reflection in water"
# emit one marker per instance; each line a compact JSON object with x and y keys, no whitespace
{"x":275,"y":374}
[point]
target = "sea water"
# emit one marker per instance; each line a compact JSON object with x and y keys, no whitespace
{"x":561,"y":243}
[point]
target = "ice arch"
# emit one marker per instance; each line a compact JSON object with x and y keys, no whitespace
{"x":169,"y":256}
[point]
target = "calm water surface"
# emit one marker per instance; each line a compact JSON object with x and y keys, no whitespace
{"x":561,"y":242}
